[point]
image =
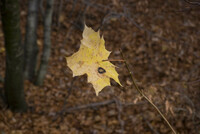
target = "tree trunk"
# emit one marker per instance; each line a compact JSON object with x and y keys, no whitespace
{"x":14,"y":84}
{"x":31,"y":48}
{"x":47,"y":42}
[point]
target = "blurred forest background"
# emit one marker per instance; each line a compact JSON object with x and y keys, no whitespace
{"x":160,"y":40}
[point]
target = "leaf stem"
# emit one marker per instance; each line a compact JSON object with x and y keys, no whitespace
{"x":143,"y":95}
{"x":114,"y":60}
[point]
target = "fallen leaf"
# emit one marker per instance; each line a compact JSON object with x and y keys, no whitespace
{"x":90,"y":60}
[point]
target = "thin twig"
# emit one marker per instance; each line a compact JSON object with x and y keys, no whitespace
{"x":63,"y":109}
{"x":128,"y":17}
{"x":69,"y":92}
{"x":120,"y":111}
{"x":91,"y":105}
{"x":95,"y":105}
{"x":143,"y":95}
{"x":192,"y":3}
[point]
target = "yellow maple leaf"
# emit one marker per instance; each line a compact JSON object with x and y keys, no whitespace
{"x":90,"y":60}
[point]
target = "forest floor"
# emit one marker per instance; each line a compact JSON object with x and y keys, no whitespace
{"x":161,"y":42}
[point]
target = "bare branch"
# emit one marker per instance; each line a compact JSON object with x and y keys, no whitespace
{"x":192,"y":2}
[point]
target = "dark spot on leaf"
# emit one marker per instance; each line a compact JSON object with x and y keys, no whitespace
{"x":101,"y":70}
